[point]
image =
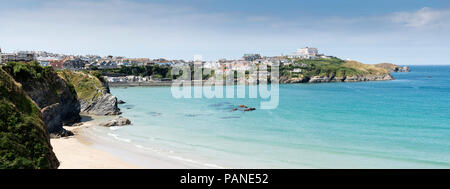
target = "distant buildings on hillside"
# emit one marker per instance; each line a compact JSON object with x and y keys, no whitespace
{"x":308,"y":53}
{"x":251,"y":57}
{"x":61,"y":61}
{"x":23,"y":56}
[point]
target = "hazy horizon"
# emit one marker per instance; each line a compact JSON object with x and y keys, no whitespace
{"x":400,"y":32}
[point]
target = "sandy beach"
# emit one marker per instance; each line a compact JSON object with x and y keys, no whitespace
{"x":76,"y":152}
{"x":83,"y":151}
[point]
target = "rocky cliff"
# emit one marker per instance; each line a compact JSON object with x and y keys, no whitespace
{"x":93,"y":92}
{"x":24,"y":139}
{"x":56,"y":98}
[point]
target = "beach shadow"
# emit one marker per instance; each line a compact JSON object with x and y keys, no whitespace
{"x":85,"y":118}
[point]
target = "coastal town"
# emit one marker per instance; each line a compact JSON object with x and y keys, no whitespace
{"x":95,"y":62}
{"x":302,"y":66}
{"x":80,"y":62}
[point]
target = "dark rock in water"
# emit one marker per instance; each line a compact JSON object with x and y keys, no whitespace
{"x":192,"y":115}
{"x":155,"y":114}
{"x":216,"y":105}
{"x":128,"y":106}
{"x":61,"y":133}
{"x":249,"y":109}
{"x":196,"y":115}
{"x":231,"y":117}
{"x":121,"y":102}
{"x":120,"y":121}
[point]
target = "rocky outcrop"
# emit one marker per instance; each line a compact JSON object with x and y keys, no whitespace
{"x":393,"y":68}
{"x":325,"y":79}
{"x":24,"y":139}
{"x":120,"y":121}
{"x":62,"y":133}
{"x":105,"y":104}
{"x":402,"y":69}
{"x":368,"y":78}
{"x":56,"y":98}
{"x":293,"y":80}
{"x":93,"y":93}
{"x":249,"y":109}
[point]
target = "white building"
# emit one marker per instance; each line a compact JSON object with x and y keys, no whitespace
{"x":307,"y":52}
{"x":297,"y":70}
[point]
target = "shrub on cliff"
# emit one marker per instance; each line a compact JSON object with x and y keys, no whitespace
{"x":93,"y":92}
{"x":88,"y":86}
{"x":56,"y":98}
{"x":24,"y":140}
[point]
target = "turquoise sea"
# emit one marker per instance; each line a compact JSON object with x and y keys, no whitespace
{"x":404,"y":123}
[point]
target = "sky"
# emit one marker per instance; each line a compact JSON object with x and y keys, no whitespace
{"x":404,"y":32}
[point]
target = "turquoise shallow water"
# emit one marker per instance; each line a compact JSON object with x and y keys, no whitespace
{"x":403,"y":123}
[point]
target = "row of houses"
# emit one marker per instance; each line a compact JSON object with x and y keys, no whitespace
{"x":59,"y":61}
{"x":20,"y":56}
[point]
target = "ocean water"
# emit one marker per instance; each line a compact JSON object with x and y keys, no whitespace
{"x":404,"y":123}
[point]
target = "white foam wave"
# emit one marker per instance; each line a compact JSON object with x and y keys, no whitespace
{"x":118,"y":138}
{"x":114,"y":128}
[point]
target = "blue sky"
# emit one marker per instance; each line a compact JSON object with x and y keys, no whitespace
{"x":397,"y":31}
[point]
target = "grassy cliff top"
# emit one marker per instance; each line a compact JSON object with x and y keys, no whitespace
{"x":24,"y":140}
{"x":365,"y":68}
{"x":331,"y":67}
{"x":88,"y":84}
{"x":386,"y":66}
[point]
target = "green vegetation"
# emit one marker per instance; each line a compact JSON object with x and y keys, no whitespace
{"x":332,"y":67}
{"x":386,"y":66}
{"x":150,"y":70}
{"x":24,"y":141}
{"x":32,"y":74}
{"x":155,"y":71}
{"x":23,"y":71}
{"x":328,"y":67}
{"x":87,"y":84}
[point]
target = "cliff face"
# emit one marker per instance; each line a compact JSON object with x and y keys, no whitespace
{"x":326,"y":79}
{"x":24,"y":139}
{"x":93,"y":93}
{"x":56,"y":99}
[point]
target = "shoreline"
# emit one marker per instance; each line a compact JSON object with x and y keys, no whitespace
{"x":78,"y":152}
{"x":86,"y":151}
{"x":193,"y":84}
